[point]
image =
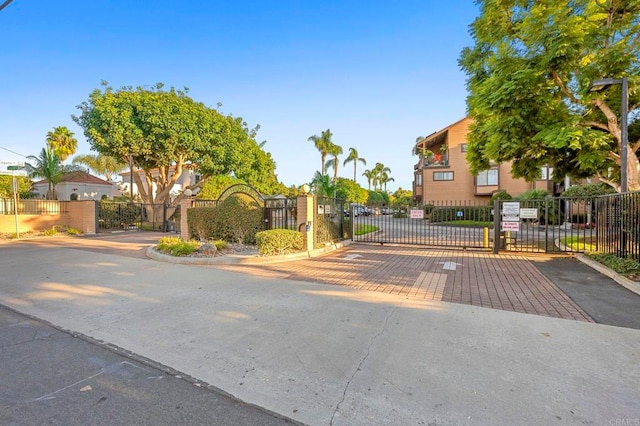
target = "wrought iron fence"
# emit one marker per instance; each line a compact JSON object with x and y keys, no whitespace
{"x":329,"y":220}
{"x":33,"y":206}
{"x":281,"y":213}
{"x":618,"y":225}
{"x":439,"y":224}
{"x":113,"y":215}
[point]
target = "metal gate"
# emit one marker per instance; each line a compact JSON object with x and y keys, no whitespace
{"x":455,"y":225}
{"x":117,"y":216}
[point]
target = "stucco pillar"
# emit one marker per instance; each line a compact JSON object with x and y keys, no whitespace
{"x":185,"y":204}
{"x":306,"y":216}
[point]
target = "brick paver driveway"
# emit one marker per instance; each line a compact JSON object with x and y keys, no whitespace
{"x":506,"y":282}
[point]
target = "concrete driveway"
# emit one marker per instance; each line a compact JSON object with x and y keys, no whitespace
{"x":325,"y":354}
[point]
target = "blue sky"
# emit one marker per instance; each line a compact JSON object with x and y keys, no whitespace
{"x":377,"y":73}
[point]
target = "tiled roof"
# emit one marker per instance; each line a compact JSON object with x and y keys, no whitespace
{"x":79,"y":177}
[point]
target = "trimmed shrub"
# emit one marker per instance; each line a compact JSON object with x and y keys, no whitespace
{"x":449,"y":214}
{"x":327,"y":231}
{"x":279,"y":241}
{"x":236,"y":219}
{"x":500,"y":195}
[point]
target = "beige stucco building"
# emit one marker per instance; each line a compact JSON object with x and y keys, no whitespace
{"x":442,"y":172}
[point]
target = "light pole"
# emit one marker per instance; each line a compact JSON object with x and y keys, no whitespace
{"x":598,"y":85}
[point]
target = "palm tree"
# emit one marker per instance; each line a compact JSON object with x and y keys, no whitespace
{"x":323,"y":144}
{"x":353,"y":156}
{"x":379,"y":171}
{"x":100,"y":164}
{"x":370,"y":175}
{"x":62,"y":142}
{"x":334,"y":150}
{"x":47,"y":166}
{"x":322,"y":185}
{"x":386,"y":178}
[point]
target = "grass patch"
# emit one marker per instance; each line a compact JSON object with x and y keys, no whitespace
{"x":468,"y":223}
{"x":579,"y":243}
{"x":365,"y":229}
{"x":176,"y":246}
{"x":626,"y":267}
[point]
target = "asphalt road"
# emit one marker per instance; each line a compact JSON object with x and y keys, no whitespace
{"x":51,"y":377}
{"x":599,"y":296}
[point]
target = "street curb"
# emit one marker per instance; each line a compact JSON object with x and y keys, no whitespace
{"x":239,"y":259}
{"x":623,"y":281}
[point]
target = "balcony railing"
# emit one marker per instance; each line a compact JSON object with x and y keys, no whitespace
{"x":432,"y":161}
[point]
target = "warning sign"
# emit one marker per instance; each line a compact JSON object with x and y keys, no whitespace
{"x":510,"y":226}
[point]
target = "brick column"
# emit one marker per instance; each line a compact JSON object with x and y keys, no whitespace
{"x":185,"y":204}
{"x":306,"y":216}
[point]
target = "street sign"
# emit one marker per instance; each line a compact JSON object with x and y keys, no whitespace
{"x":528,"y":213}
{"x":417,"y":214}
{"x":510,"y":226}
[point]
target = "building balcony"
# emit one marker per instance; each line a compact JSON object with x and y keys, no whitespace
{"x":431,"y":161}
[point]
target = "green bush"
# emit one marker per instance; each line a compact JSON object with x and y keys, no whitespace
{"x":279,"y":241}
{"x":73,"y":231}
{"x":327,"y":231}
{"x":236,"y":219}
{"x":500,"y":195}
{"x":177,"y":246}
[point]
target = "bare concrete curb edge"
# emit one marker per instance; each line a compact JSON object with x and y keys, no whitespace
{"x":152,"y":253}
{"x":623,"y":281}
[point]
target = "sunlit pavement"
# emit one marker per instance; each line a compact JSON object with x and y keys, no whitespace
{"x":328,"y":354}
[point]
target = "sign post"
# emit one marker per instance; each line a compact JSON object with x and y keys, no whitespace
{"x":15,"y":188}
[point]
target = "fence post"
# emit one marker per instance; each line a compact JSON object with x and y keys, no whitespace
{"x":185,"y":204}
{"x":497,"y":217}
{"x":306,"y":218}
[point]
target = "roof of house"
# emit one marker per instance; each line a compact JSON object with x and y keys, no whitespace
{"x":79,"y":177}
{"x":439,"y":136}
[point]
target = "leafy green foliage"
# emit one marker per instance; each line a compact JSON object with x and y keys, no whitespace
{"x":402,"y":198}
{"x":236,"y":219}
{"x":166,"y":131}
{"x":216,"y":185}
{"x":350,"y":191}
{"x":279,"y":241}
{"x":24,"y":186}
{"x":529,"y":75}
{"x":533,"y":194}
{"x":500,"y":195}
{"x":322,"y":185}
{"x":627,"y":267}
{"x":588,"y":190}
{"x":176,"y":246}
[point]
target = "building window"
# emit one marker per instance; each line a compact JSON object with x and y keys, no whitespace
{"x":463,"y":147}
{"x":442,"y":176}
{"x":546,"y":173}
{"x":418,"y":178}
{"x":487,"y":178}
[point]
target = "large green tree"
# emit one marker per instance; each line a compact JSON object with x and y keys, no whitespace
{"x":24,"y":186}
{"x":350,"y":191}
{"x":354,"y":157}
{"x":62,"y":141}
{"x":334,"y":150}
{"x":99,"y":164}
{"x":529,"y":78}
{"x":165,"y":132}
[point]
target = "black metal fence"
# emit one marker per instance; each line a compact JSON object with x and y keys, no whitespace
{"x":113,"y":216}
{"x":329,"y":220}
{"x":618,"y":225}
{"x":438,"y":224}
{"x":33,"y":206}
{"x":281,"y":213}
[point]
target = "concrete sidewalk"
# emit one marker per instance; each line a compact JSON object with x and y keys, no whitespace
{"x":334,"y":355}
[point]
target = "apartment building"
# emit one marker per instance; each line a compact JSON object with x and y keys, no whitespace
{"x":442,"y":172}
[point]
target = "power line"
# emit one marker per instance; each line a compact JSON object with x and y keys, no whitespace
{"x":13,"y":152}
{"x":5,"y":4}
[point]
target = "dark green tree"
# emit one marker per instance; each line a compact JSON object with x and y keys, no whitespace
{"x":48,"y":166}
{"x":165,"y":132}
{"x":529,"y":78}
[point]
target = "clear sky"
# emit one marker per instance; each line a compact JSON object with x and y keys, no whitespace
{"x":377,"y":73}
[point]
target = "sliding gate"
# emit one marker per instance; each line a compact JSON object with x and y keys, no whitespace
{"x":444,"y":225}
